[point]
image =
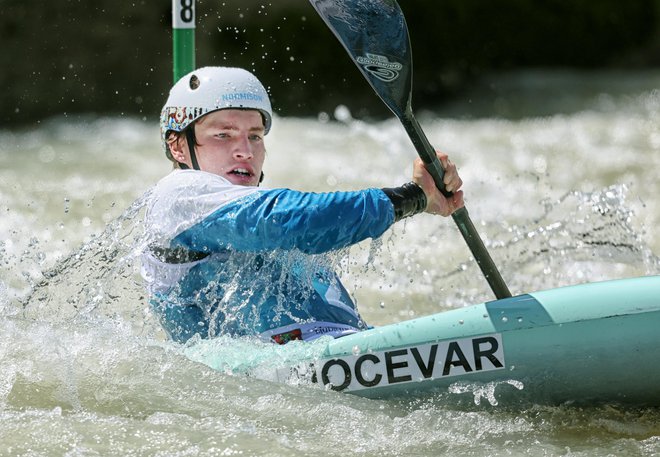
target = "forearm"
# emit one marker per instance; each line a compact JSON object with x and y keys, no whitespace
{"x":286,"y":219}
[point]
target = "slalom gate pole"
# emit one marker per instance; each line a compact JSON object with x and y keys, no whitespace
{"x":183,"y":37}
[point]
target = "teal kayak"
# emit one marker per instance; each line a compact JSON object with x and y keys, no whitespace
{"x":590,"y":343}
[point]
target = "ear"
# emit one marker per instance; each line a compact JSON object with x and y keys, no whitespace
{"x":177,"y":147}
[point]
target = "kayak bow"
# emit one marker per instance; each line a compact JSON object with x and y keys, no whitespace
{"x":591,"y":343}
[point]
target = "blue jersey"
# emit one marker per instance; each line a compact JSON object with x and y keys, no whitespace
{"x":237,"y":260}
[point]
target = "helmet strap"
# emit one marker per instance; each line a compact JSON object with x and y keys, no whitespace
{"x":190,"y":137}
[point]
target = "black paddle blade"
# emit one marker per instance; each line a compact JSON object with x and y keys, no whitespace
{"x":375,"y":34}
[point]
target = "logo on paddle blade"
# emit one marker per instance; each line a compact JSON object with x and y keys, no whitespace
{"x":380,"y":67}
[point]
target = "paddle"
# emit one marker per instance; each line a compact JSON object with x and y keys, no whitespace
{"x":375,"y":35}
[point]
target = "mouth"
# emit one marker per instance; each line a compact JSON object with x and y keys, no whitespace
{"x":242,"y":172}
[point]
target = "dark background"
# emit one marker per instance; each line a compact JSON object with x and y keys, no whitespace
{"x":114,"y":57}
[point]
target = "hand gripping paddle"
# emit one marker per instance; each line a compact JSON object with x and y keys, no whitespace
{"x":375,"y":35}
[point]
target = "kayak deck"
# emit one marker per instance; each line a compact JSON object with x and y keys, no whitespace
{"x":597,"y":342}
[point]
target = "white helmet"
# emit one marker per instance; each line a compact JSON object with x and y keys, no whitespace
{"x":211,"y":89}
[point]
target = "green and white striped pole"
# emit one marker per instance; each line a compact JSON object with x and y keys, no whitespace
{"x":183,"y":37}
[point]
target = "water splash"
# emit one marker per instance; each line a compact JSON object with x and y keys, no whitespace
{"x":421,"y":267}
{"x":483,"y":391}
{"x":252,"y":357}
{"x":580,"y":237}
{"x":101,"y":278}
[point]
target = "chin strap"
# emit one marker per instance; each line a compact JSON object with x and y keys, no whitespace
{"x":190,"y":137}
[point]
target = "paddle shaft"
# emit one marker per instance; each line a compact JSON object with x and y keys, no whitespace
{"x":460,"y":216}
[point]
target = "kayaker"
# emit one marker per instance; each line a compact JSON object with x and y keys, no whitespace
{"x":226,"y":256}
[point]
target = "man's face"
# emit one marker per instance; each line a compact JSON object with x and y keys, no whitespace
{"x":230,"y":143}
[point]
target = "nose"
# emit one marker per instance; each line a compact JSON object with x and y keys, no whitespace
{"x":243,"y":148}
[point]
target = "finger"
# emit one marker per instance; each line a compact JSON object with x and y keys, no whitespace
{"x":444,"y":159}
{"x":454,"y":183}
{"x":451,"y":178}
{"x":457,"y":199}
{"x":448,"y":166}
